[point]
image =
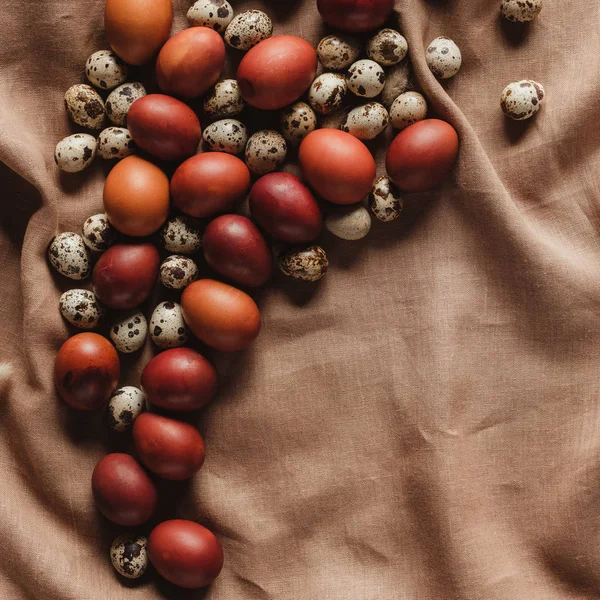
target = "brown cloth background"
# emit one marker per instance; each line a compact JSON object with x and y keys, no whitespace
{"x":424,"y":424}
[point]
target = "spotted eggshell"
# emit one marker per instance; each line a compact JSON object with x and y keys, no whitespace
{"x":98,"y":233}
{"x":408,"y":108}
{"x":129,"y":555}
{"x":128,"y":333}
{"x":124,"y":407}
{"x":367,"y":122}
{"x":105,"y":70}
{"x":227,"y":135}
{"x":85,"y":106}
{"x":75,"y":152}
{"x":120,"y":100}
{"x":177,"y":272}
{"x":216,"y":14}
{"x":338,"y":53}
{"x":265,"y":151}
{"x":387,"y":47}
{"x":305,"y":264}
{"x":385,"y":200}
{"x":443,"y":58}
{"x":182,"y":235}
{"x":167,"y":327}
{"x":521,"y":100}
{"x":522,"y":11}
{"x":327,"y":93}
{"x":115,"y":142}
{"x":397,"y":81}
{"x":81,"y":308}
{"x":296,"y":122}
{"x":248,"y":29}
{"x":353,"y":224}
{"x":224,"y":100}
{"x":69,"y":255}
{"x":365,"y":78}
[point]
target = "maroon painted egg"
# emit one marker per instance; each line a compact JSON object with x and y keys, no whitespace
{"x":235,"y":248}
{"x":355,"y":15}
{"x":285,"y":208}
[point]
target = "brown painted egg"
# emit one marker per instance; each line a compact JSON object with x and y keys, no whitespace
{"x":355,"y":15}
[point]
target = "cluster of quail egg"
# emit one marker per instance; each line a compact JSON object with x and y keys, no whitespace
{"x":106,"y":118}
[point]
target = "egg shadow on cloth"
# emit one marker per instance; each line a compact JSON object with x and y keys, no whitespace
{"x":514,"y":33}
{"x":281,"y":9}
{"x":515,"y":130}
{"x":172,"y":592}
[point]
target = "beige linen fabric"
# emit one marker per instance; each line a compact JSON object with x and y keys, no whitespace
{"x":424,"y":424}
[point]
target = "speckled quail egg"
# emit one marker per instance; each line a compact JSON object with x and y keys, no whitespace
{"x":128,"y":333}
{"x":349,"y":224}
{"x":385,"y":200}
{"x":85,"y":107}
{"x":338,"y":53}
{"x":167,"y":327}
{"x":296,"y":122}
{"x":387,"y":47}
{"x":115,"y":142}
{"x":367,"y":122}
{"x":98,"y":233}
{"x":248,"y":29}
{"x":333,"y":121}
{"x":81,"y":308}
{"x":216,"y":14}
{"x":181,"y":235}
{"x":522,"y":11}
{"x":397,"y":81}
{"x":365,"y":78}
{"x":227,"y":135}
{"x":304,"y":264}
{"x":177,"y":272}
{"x":224,"y":100}
{"x":327,"y":93}
{"x":124,"y":407}
{"x":105,"y":70}
{"x":443,"y":58}
{"x":129,"y":555}
{"x":408,"y":108}
{"x":69,"y":255}
{"x":265,"y":151}
{"x":75,"y":152}
{"x":521,"y":100}
{"x":120,"y":100}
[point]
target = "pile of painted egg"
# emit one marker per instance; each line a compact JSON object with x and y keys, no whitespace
{"x":156,"y":228}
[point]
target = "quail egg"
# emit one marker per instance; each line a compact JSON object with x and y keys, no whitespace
{"x":216,"y":14}
{"x":304,"y":264}
{"x":181,"y":235}
{"x":105,"y":70}
{"x":367,"y":122}
{"x":228,"y":135}
{"x":167,"y":327}
{"x":177,"y":272}
{"x":120,"y":100}
{"x":81,"y":308}
{"x":248,"y":29}
{"x":397,"y":81}
{"x":385,"y":200}
{"x":98,"y":233}
{"x":521,"y":100}
{"x":69,"y":255}
{"x":338,"y":53}
{"x":327,"y":93}
{"x":265,"y":151}
{"x":85,"y":107}
{"x":115,"y":142}
{"x":129,"y":555}
{"x":387,"y":47}
{"x":522,"y":11}
{"x":128,"y":333}
{"x":443,"y":58}
{"x":365,"y":78}
{"x":296,"y":122}
{"x":408,"y":108}
{"x":124,"y":407}
{"x":75,"y":152}
{"x":224,"y":100}
{"x":353,"y":224}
